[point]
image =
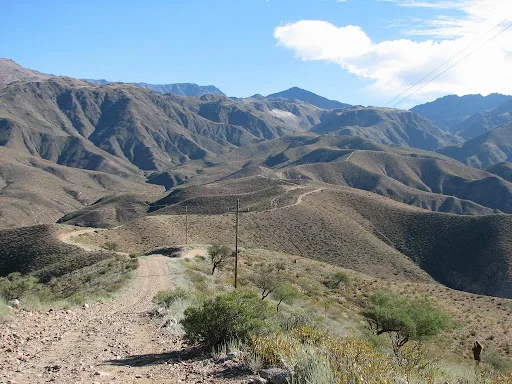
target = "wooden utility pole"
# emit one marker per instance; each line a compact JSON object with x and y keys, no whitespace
{"x":236,"y":241}
{"x":186,"y":225}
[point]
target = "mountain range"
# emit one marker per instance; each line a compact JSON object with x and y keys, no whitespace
{"x":411,"y":191}
{"x":181,"y":89}
{"x":470,"y":115}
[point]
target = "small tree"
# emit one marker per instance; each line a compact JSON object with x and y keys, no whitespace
{"x":266,"y":279}
{"x":219,"y":253}
{"x":285,"y":293}
{"x":236,"y":315}
{"x":404,"y":320}
{"x":335,"y":279}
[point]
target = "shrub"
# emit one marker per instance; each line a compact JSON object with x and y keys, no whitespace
{"x":14,"y":286}
{"x":5,"y":315}
{"x":167,"y":298}
{"x":404,"y":320}
{"x":229,"y":316}
{"x":335,"y":279}
{"x":310,"y":366}
{"x":111,"y":246}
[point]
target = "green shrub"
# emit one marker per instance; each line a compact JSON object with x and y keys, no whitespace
{"x":335,"y":279}
{"x":236,"y":315}
{"x":111,"y":246}
{"x":5,"y":315}
{"x":403,"y":319}
{"x":167,"y":298}
{"x":14,"y":286}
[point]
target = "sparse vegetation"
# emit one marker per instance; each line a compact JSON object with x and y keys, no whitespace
{"x":167,"y":298}
{"x":110,"y":246}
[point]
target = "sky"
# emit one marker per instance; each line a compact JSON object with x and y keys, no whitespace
{"x":367,"y":52}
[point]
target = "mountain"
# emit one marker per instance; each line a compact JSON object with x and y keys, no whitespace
{"x":415,"y":177}
{"x":11,"y":71}
{"x":387,"y":126}
{"x":503,"y":170}
{"x":181,"y":89}
{"x":449,"y":112}
{"x":486,"y":121}
{"x":490,"y":148}
{"x":125,"y":130}
{"x":299,"y":94}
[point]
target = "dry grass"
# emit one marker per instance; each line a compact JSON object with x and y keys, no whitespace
{"x":339,"y":312}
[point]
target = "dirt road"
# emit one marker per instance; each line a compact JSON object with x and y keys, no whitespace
{"x":89,"y":345}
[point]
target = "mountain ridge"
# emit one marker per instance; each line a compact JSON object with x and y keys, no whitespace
{"x":181,"y":89}
{"x":296,"y":93}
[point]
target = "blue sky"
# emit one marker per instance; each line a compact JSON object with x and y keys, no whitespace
{"x":235,"y":44}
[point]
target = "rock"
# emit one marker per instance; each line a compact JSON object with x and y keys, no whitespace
{"x":275,"y":375}
{"x":14,"y":303}
{"x":99,"y":373}
{"x":258,"y":380}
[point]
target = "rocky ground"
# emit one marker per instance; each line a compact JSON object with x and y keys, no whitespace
{"x":115,"y":342}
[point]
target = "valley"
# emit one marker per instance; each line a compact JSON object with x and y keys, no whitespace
{"x":116,"y":194}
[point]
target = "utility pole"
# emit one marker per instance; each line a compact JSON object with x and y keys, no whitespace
{"x":186,"y":225}
{"x":236,"y":241}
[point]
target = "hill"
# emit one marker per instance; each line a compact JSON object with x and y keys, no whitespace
{"x":503,"y":170}
{"x":490,"y":148}
{"x":486,"y":121}
{"x":409,"y":175}
{"x":343,"y":226}
{"x":387,"y":126}
{"x":449,"y":112}
{"x":10,"y":71}
{"x":294,"y":94}
{"x":38,"y":250}
{"x":181,"y":89}
{"x":34,"y":190}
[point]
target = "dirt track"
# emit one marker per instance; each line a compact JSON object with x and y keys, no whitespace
{"x":87,"y":344}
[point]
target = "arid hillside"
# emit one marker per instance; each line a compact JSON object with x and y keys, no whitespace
{"x":342,"y":226}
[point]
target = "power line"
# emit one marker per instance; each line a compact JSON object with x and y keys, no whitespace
{"x":455,"y":64}
{"x":446,"y":62}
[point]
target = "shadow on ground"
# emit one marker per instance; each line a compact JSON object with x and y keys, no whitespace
{"x":230,"y":370}
{"x":188,"y":355}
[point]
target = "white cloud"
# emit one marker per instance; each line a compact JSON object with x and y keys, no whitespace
{"x":395,"y":65}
